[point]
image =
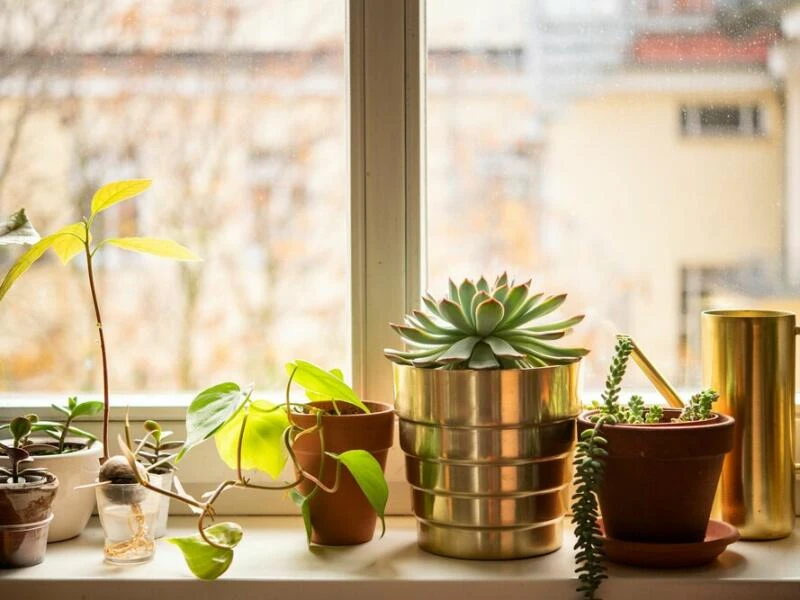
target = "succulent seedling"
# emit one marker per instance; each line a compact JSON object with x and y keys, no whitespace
{"x":20,"y":429}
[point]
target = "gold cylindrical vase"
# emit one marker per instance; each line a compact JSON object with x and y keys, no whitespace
{"x":749,"y":359}
{"x":488,"y":457}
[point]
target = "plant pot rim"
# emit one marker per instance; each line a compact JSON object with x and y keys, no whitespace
{"x":95,"y":449}
{"x":746,"y":313}
{"x":525,"y":369}
{"x":717,"y":421}
{"x":376,"y":408}
{"x":50,"y":482}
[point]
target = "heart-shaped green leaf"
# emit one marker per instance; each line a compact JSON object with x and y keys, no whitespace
{"x":304,"y":504}
{"x":262,"y":445}
{"x":204,"y":560}
{"x":367,"y":472}
{"x":209,"y":411}
{"x":319,"y":381}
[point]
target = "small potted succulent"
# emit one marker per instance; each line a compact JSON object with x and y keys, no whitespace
{"x":157,"y":454}
{"x":487,"y":406}
{"x":652,"y":473}
{"x":26,"y":497}
{"x":67,"y":243}
{"x":71,"y":454}
{"x":337,"y":445}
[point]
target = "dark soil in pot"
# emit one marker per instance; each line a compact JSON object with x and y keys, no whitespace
{"x":659,"y":480}
{"x":24,"y":521}
{"x":346,"y":516}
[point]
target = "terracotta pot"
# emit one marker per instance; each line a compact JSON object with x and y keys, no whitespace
{"x":71,"y":508}
{"x":346,"y":516}
{"x":25,"y":517}
{"x":660,"y":480}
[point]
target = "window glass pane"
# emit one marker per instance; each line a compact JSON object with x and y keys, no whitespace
{"x":236,"y":110}
{"x":629,"y":152}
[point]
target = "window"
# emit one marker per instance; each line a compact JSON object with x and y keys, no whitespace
{"x":237,"y":111}
{"x":722,"y":120}
{"x":572,"y":169}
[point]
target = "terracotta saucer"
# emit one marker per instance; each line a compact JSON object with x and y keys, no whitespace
{"x":671,"y":556}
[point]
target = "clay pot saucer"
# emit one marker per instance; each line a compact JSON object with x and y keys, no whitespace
{"x":671,"y":556}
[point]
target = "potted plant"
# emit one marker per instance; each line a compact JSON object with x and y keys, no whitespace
{"x":652,"y":472}
{"x":67,"y":243}
{"x":71,"y":454}
{"x":26,"y":496}
{"x":318,"y":437}
{"x":487,"y":407}
{"x":157,"y":453}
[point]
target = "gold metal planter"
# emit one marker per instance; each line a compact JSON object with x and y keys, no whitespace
{"x":488,"y":457}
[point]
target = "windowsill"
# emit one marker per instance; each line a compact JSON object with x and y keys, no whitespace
{"x":273,"y":561}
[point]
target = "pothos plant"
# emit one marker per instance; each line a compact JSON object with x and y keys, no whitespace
{"x":75,"y":239}
{"x":590,"y":454}
{"x":257,"y":435}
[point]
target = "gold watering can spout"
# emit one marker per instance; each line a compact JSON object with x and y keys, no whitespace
{"x":656,"y":378}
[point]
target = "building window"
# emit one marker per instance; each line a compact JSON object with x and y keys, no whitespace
{"x":723,"y":120}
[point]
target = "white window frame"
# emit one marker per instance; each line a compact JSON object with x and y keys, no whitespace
{"x":385,"y":61}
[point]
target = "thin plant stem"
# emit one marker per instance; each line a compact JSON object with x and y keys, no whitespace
{"x":106,"y":403}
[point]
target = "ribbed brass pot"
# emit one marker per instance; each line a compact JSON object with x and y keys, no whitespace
{"x":749,"y":358}
{"x":488,"y":457}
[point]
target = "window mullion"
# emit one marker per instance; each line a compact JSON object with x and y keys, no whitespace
{"x":385,"y":52}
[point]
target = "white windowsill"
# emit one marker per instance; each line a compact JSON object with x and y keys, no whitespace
{"x":273,"y":562}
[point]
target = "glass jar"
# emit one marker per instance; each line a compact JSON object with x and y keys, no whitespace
{"x":128,"y":514}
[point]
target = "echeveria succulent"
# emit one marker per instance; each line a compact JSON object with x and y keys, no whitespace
{"x":478,"y":326}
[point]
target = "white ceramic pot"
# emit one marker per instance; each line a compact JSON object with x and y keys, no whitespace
{"x":163,"y":481}
{"x":71,"y":508}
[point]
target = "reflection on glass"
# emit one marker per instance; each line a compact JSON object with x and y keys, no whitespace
{"x":236,"y":111}
{"x":635,"y":154}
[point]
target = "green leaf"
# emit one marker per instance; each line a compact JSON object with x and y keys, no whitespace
{"x":453,"y":313}
{"x":206,"y":561}
{"x":315,"y":397}
{"x":19,"y":427}
{"x":557,"y":326}
{"x":304,"y":504}
{"x":17,"y":229}
{"x":466,"y":292}
{"x":460,"y":351}
{"x":209,"y":411}
{"x":482,"y":284}
{"x":155,"y":247}
{"x":64,"y":411}
{"x":88,"y":408}
{"x":262,"y":444}
{"x":25,"y":261}
{"x":502,"y":348}
{"x":483,"y":358}
{"x":70,"y":242}
{"x":367,"y":472}
{"x":319,"y":381}
{"x":488,"y":315}
{"x":117,"y":191}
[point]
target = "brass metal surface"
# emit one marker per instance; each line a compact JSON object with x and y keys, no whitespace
{"x":749,"y":359}
{"x":488,"y":457}
{"x":656,"y":378}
